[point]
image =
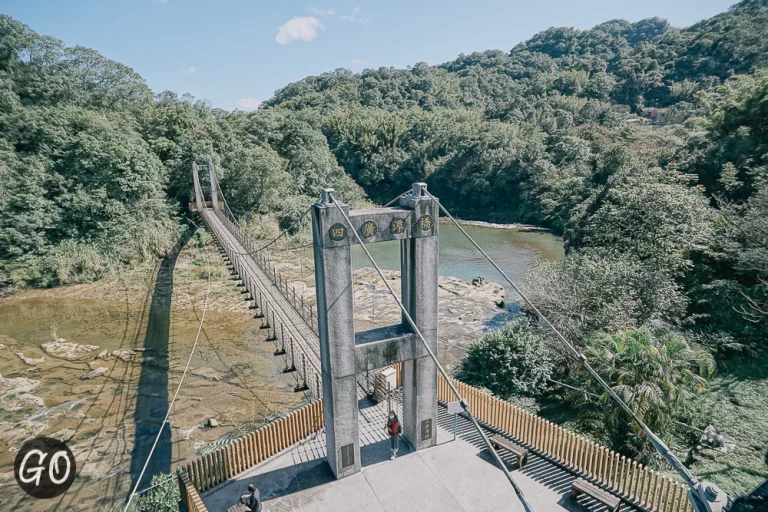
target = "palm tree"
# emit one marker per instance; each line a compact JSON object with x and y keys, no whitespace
{"x":656,"y":372}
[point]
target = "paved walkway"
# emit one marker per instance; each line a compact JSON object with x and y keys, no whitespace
{"x":454,"y":476}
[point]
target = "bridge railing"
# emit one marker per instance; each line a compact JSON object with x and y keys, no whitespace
{"x":638,"y":485}
{"x":307,"y":310}
{"x":301,"y":358}
{"x":189,"y":496}
{"x":221,"y":465}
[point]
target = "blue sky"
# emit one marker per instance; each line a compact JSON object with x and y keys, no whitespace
{"x":238,"y":52}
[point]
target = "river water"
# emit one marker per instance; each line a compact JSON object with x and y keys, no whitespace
{"x":516,"y":251}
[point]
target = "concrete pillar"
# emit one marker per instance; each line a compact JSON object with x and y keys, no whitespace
{"x":214,"y":187}
{"x":198,"y":190}
{"x":333,"y":279}
{"x":419,"y":259}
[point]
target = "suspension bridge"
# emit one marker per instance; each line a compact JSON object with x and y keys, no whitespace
{"x":440,"y":469}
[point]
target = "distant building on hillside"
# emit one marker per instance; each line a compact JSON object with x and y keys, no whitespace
{"x":658,"y":116}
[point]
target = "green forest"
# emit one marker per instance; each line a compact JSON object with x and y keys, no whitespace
{"x":644,"y":145}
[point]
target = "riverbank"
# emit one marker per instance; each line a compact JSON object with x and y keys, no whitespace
{"x":108,"y":402}
{"x":493,"y":225}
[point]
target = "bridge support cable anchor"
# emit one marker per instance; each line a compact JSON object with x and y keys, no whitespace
{"x":293,"y":364}
{"x":303,"y":387}
{"x":259,"y":305}
{"x":527,"y":506}
{"x":704,"y":496}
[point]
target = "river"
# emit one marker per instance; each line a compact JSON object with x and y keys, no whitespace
{"x":516,"y":251}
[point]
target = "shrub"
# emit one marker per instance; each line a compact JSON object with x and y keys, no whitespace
{"x":510,"y":361}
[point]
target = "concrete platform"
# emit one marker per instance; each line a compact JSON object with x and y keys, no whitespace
{"x":454,"y":476}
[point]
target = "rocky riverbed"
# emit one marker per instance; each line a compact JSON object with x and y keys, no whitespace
{"x":103,"y":376}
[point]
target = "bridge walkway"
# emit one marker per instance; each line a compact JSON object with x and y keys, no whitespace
{"x":291,"y":330}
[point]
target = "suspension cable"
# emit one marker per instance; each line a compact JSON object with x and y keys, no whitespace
{"x":416,"y":330}
{"x":178,"y":388}
{"x":657,"y":443}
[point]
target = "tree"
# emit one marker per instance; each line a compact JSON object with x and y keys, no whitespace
{"x":257,"y":180}
{"x":589,"y":292}
{"x":510,"y":361}
{"x":656,"y":372}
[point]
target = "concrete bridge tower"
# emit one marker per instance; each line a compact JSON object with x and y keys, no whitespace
{"x":344,"y":352}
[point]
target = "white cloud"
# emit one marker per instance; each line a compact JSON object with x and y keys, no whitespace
{"x":160,"y":1}
{"x":191,"y":70}
{"x":322,"y":12}
{"x":300,"y":28}
{"x":355,"y":17}
{"x":249,"y":103}
{"x":359,"y":62}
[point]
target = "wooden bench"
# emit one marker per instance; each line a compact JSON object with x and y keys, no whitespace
{"x":238,"y":508}
{"x":580,"y":485}
{"x":516,"y":450}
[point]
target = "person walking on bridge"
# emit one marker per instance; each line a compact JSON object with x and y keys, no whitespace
{"x":394,"y":429}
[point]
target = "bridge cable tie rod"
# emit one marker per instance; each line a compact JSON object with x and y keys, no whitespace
{"x":463,"y":403}
{"x":658,"y":444}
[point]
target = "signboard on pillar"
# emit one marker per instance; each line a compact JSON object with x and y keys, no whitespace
{"x":344,"y":352}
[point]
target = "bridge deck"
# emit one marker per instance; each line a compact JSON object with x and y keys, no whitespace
{"x":290,"y":324}
{"x":454,"y":476}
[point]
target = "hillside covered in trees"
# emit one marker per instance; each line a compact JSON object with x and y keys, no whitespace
{"x":664,"y":224}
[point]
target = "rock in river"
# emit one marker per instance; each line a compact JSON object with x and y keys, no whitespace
{"x":98,"y":372}
{"x":123,"y":354}
{"x":17,"y":393}
{"x":30,"y":360}
{"x":64,"y":349}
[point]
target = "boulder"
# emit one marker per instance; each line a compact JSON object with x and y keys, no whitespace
{"x":63,"y":349}
{"x":123,"y":354}
{"x":212,"y":423}
{"x":16,"y":393}
{"x":479,"y":281}
{"x":93,"y":374}
{"x":30,"y":360}
{"x":103,"y":354}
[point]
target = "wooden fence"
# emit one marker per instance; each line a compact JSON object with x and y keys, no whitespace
{"x":234,"y":458}
{"x":637,"y":484}
{"x":189,"y":495}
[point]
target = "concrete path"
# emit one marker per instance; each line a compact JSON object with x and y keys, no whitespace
{"x":453,"y":476}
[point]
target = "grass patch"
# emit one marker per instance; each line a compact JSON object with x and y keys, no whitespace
{"x":737,"y":405}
